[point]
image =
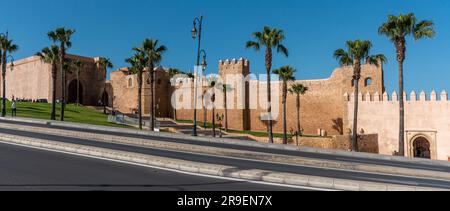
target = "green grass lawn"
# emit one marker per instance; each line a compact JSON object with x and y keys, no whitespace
{"x":73,"y":113}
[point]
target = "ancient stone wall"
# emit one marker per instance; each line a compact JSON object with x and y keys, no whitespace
{"x":31,"y":79}
{"x":322,"y":107}
{"x":125,"y":92}
{"x":426,"y":116}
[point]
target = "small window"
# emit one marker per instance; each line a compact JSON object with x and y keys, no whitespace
{"x":159,"y":81}
{"x":368,"y":82}
{"x":353,"y":83}
{"x":130,"y":83}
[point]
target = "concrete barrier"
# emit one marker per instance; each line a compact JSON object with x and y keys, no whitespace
{"x":295,"y":160}
{"x":212,"y":169}
{"x":233,"y":142}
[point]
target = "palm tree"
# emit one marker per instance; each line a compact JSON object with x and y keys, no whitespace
{"x":212,"y":85}
{"x":298,"y":89}
{"x":286,"y":73}
{"x":62,"y":36}
{"x":225,"y":88}
{"x":104,"y":64}
{"x":271,"y":39}
{"x":397,"y":28}
{"x":6,"y":46}
{"x":172,"y":73}
{"x":51,"y":56}
{"x":138,"y":62}
{"x":153,"y":51}
{"x":78,"y":65}
{"x":358,"y":51}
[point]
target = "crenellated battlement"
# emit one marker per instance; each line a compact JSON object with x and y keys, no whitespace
{"x":234,"y":61}
{"x":394,"y":97}
{"x":234,"y":66}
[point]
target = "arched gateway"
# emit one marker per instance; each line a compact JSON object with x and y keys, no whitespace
{"x":72,"y":95}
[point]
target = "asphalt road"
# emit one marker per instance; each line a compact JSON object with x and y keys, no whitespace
{"x":27,"y":169}
{"x":256,"y":149}
{"x":243,"y":163}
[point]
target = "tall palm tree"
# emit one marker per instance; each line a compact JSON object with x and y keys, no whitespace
{"x":397,"y":28}
{"x":138,"y":62}
{"x":104,"y":64}
{"x":51,"y":56}
{"x":63,"y":37}
{"x":78,"y":65}
{"x":6,"y":46}
{"x":153,"y":51}
{"x":212,"y":85}
{"x":225,"y":88}
{"x":297,"y":90}
{"x":270,"y":38}
{"x":172,"y":73}
{"x":286,"y":73}
{"x":358,"y":51}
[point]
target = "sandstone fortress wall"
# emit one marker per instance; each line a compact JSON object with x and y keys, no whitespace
{"x":426,"y":116}
{"x":31,"y":79}
{"x":322,"y":107}
{"x":124,"y":92}
{"x":326,"y":108}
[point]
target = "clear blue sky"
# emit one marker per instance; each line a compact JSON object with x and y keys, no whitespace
{"x":313,"y":28}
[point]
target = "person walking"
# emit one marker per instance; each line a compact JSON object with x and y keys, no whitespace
{"x":14,"y":108}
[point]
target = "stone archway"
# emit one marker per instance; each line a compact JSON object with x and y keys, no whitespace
{"x":421,"y":144}
{"x":72,"y":92}
{"x":421,"y":148}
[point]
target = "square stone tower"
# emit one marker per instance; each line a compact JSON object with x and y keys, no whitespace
{"x":235,"y":73}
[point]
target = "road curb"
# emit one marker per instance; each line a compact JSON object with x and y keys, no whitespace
{"x":232,"y":142}
{"x":211,"y":169}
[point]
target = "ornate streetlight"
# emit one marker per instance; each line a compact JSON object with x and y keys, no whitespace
{"x":197,"y":34}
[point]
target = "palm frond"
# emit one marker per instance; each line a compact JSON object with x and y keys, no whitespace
{"x":286,"y":73}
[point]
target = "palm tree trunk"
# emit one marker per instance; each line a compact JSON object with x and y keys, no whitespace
{"x":154,"y":100}
{"x":226,"y":111}
{"x":152,"y":103}
{"x":54,"y":72}
{"x":401,"y":134}
{"x":140,"y":100}
{"x":4,"y":84}
{"x":78,"y":87}
{"x":214,"y":122}
{"x":63,"y":84}
{"x":285,"y":139}
{"x":269,"y":94}
{"x":355,"y":114}
{"x":298,"y":118}
{"x":104,"y":92}
{"x":175,"y":114}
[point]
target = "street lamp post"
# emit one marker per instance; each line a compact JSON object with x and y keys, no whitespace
{"x":197,"y":33}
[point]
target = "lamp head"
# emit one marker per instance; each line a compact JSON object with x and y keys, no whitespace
{"x":194,"y":31}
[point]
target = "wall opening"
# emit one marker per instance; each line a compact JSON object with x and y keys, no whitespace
{"x":422,"y":148}
{"x":130,"y":83}
{"x":368,"y":82}
{"x":72,"y":97}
